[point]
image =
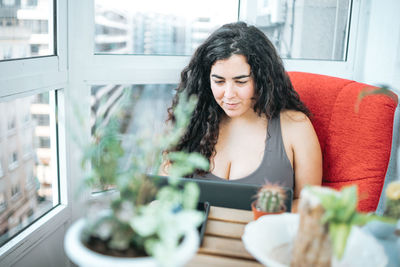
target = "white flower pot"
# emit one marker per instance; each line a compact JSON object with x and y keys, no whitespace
{"x":78,"y":253}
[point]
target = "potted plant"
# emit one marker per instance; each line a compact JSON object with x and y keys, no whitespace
{"x":138,"y":223}
{"x":326,"y":220}
{"x":392,"y":205}
{"x":270,"y":199}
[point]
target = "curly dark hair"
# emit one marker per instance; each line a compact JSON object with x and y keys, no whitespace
{"x":273,"y":90}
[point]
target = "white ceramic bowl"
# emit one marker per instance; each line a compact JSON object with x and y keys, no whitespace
{"x":263,"y":236}
{"x":82,"y":256}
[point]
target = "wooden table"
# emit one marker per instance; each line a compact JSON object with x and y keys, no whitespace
{"x":222,"y":243}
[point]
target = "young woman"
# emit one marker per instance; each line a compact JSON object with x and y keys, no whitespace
{"x":249,"y":122}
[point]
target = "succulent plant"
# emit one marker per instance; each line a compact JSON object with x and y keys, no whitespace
{"x":271,"y":198}
{"x":340,"y":213}
{"x":392,"y":207}
{"x":132,"y":219}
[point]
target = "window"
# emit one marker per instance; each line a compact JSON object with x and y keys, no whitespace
{"x":44,"y":142}
{"x":29,"y":3}
{"x":158,"y":27}
{"x":15,"y":191}
{"x":8,"y":2}
{"x":33,"y":79}
{"x":307,"y":29}
{"x":311,"y":35}
{"x":41,"y":119}
{"x":38,"y":199}
{"x":11,"y":123}
{"x":3,"y":203}
{"x":147,"y":103}
{"x":11,"y":116}
{"x":26,"y":29}
{"x":41,"y":99}
{"x":146,"y":108}
{"x":13,"y":160}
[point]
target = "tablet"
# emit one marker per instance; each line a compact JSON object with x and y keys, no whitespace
{"x":228,"y":194}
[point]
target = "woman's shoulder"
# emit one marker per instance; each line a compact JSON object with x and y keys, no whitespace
{"x":293,"y":117}
{"x":296,"y":125}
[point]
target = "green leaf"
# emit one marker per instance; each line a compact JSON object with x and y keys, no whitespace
{"x":341,"y":214}
{"x":361,"y":219}
{"x":347,"y":203}
{"x":190,"y":196}
{"x":369,"y":90}
{"x":339,"y":233}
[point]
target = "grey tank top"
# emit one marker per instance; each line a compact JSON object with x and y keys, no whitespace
{"x":275,"y":166}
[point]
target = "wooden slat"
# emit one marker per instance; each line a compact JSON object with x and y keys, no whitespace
{"x":225,"y":229}
{"x":222,"y":244}
{"x":230,"y":215}
{"x":224,"y":247}
{"x":201,"y":260}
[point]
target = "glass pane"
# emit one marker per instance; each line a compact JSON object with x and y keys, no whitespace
{"x":308,"y":29}
{"x":174,"y":27}
{"x":144,"y":110}
{"x":27,"y":168}
{"x":26,"y":28}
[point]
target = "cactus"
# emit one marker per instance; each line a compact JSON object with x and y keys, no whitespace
{"x":271,"y":198}
{"x":392,"y":207}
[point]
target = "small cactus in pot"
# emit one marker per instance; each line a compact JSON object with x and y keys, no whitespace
{"x":270,"y":200}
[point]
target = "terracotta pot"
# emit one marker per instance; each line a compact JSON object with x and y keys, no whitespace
{"x":258,"y":213}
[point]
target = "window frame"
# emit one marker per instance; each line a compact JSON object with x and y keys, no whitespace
{"x":344,"y":69}
{"x":29,"y":76}
{"x":146,"y":69}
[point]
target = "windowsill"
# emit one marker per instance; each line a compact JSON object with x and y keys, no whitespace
{"x":27,"y":156}
{"x":16,"y":197}
{"x":39,"y":230}
{"x":26,"y":124}
{"x":3,"y":207}
{"x":11,"y":131}
{"x":29,"y":186}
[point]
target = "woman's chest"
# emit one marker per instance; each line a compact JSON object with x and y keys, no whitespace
{"x":238,"y":155}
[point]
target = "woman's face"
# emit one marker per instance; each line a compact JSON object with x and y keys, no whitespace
{"x":232,"y":85}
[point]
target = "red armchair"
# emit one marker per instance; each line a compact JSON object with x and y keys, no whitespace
{"x":355,"y":146}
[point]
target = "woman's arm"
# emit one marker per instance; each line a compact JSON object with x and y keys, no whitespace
{"x":305,"y":149}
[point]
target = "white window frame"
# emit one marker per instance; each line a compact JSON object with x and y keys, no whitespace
{"x":13,"y":162}
{"x":88,"y":68}
{"x":29,"y":76}
{"x":3,"y":204}
{"x":344,"y":69}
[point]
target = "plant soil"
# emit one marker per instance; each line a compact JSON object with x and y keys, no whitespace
{"x":100,"y":246}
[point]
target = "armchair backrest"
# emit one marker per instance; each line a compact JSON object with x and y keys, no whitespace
{"x":355,"y":145}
